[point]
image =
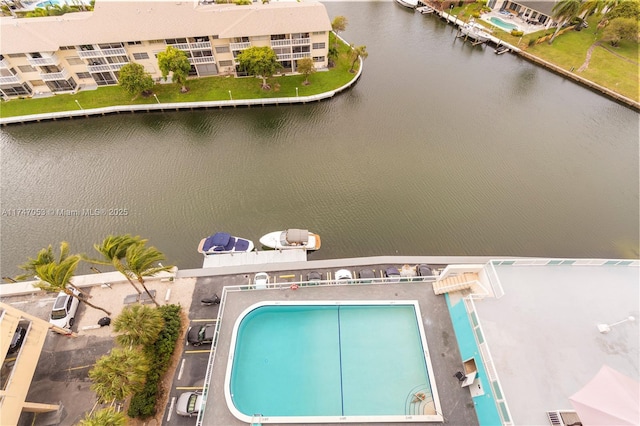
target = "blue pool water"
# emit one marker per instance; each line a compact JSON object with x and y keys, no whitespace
{"x":502,"y":24}
{"x":337,"y":360}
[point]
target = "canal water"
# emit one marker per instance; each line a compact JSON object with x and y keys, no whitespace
{"x":441,"y":148}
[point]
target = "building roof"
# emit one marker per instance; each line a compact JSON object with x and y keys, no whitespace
{"x":114,"y":21}
{"x":543,"y":335}
{"x":543,"y":6}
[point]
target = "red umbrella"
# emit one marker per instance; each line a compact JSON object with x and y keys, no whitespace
{"x":609,"y":399}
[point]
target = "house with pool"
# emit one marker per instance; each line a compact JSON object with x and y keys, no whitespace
{"x":481,"y":341}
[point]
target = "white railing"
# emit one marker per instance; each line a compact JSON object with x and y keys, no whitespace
{"x":301,"y":55}
{"x":494,"y":280}
{"x":10,"y":79}
{"x":63,"y":75}
{"x":299,"y":41}
{"x":202,"y":60}
{"x":283,"y":56}
{"x":4,"y":64}
{"x":105,"y":67}
{"x":277,"y":43}
{"x":558,"y":262}
{"x":239,"y":46}
{"x":50,"y":60}
{"x":487,"y":360}
{"x":191,"y":46}
{"x":100,"y":53}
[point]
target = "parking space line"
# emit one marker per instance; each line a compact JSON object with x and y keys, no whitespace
{"x":201,"y":351}
{"x":189,"y":387}
{"x":181,"y":369}
{"x":205,"y":320}
{"x":80,"y":368}
{"x":173,"y":403}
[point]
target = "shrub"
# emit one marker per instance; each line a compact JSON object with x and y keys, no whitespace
{"x":517,"y":33}
{"x":143,"y":404}
{"x":476,"y":15}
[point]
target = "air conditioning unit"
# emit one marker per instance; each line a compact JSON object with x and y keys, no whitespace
{"x":563,"y":418}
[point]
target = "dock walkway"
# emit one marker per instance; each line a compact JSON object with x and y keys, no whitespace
{"x":254,"y":258}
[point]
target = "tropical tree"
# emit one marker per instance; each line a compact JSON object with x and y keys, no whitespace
{"x":56,"y":277}
{"x":338,"y":25}
{"x":357,"y":52}
{"x":624,"y":9}
{"x":38,"y":12}
{"x":332,"y":56}
{"x":620,"y":29}
{"x":114,"y":249}
{"x":564,"y":11}
{"x":176,"y":62}
{"x":138,"y":325}
{"x":259,"y":61}
{"x":142,"y":261}
{"x":306,"y":68}
{"x":105,"y":417}
{"x":134,"y":79}
{"x":118,"y":375}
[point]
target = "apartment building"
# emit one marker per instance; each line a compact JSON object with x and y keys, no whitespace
{"x":84,"y":50}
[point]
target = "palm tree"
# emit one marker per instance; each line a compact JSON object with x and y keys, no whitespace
{"x":358,"y":52}
{"x":142,"y":261}
{"x":56,"y":277}
{"x":120,"y":374}
{"x":114,"y":249}
{"x":44,"y":257}
{"x":563,"y":12}
{"x":139,"y":325}
{"x":105,"y":417}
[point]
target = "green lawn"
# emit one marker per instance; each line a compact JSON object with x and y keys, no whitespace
{"x":201,"y":89}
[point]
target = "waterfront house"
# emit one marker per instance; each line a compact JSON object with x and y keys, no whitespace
{"x":84,"y":50}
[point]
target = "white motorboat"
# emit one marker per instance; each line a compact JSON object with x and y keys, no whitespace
{"x":411,"y":4}
{"x":291,"y":239}
{"x":475,"y":31}
{"x":222,"y":242}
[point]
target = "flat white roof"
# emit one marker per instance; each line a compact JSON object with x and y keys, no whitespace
{"x":120,"y":21}
{"x":543,"y":335}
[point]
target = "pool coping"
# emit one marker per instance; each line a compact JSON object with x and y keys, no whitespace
{"x":335,"y":419}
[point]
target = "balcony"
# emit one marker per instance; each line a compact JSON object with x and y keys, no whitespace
{"x":240,"y":46}
{"x":202,"y":60}
{"x":279,"y":43}
{"x":99,"y":53}
{"x":284,"y":56}
{"x":301,"y":55}
{"x":290,"y":42}
{"x":52,"y":76}
{"x":47,"y":60}
{"x":300,"y":41}
{"x":10,"y":80}
{"x":4,"y":64}
{"x":200,"y":45}
{"x":105,"y":67}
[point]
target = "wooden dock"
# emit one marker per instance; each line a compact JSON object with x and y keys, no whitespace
{"x":255,"y":258}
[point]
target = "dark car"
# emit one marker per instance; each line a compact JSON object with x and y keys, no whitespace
{"x":18,"y":339}
{"x":424,"y":270}
{"x":366,"y":275}
{"x":201,"y":334}
{"x":314,"y":277}
{"x":393,"y":274}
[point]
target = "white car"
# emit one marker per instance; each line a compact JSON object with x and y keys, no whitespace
{"x":261,"y":281}
{"x":189,"y":404}
{"x":63,"y":314}
{"x":343,"y":275}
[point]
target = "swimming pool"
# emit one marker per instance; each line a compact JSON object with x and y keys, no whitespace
{"x":323,"y":362}
{"x":502,"y":24}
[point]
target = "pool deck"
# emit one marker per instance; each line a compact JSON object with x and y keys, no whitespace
{"x":457,"y":405}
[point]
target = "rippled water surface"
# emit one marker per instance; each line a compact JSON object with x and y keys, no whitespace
{"x":441,"y":148}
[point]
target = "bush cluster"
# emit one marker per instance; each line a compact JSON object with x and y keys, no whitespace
{"x":143,"y":404}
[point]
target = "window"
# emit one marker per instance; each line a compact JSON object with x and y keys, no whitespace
{"x":278,"y":37}
{"x":301,"y":49}
{"x":319,"y":45}
{"x":86,"y":47}
{"x":222,"y":49}
{"x":175,"y":40}
{"x":300,"y":35}
{"x":117,"y":59}
{"x":97,"y":61}
{"x":35,"y":55}
{"x":104,"y":78}
{"x":48,"y":69}
{"x":17,"y":90}
{"x":74,"y":60}
{"x":215,"y":36}
{"x":318,"y":59}
{"x":226,"y":63}
{"x":202,"y":53}
{"x":16,"y":55}
{"x":156,"y":41}
{"x":84,"y":75}
{"x":318,"y":33}
{"x":141,"y":55}
{"x":104,"y":46}
{"x":26,"y":68}
{"x":201,"y":39}
{"x":61,"y":85}
{"x":67,"y":48}
{"x":240,"y":40}
{"x":133,"y":43}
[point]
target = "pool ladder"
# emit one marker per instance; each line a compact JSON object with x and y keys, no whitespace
{"x":256,"y":420}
